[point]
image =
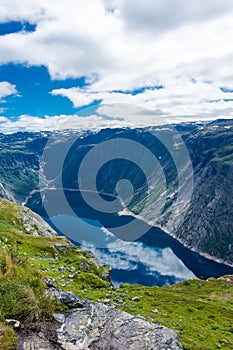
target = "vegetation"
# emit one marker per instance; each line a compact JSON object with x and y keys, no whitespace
{"x":201,"y":312}
{"x":8,"y":338}
{"x":22,"y":289}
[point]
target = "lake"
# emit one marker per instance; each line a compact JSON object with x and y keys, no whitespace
{"x":154,"y":259}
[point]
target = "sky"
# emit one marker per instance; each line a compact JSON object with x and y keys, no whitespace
{"x":108,"y":63}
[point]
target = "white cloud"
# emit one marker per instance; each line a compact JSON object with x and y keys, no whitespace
{"x":6,"y":89}
{"x":126,"y":44}
{"x":158,"y":16}
{"x":188,"y":99}
{"x":77,"y":96}
{"x":122,"y":48}
{"x":49,"y":123}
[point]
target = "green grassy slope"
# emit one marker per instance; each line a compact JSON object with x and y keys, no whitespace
{"x":201,"y":312}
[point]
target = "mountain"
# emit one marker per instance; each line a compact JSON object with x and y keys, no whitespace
{"x":198,"y":214}
{"x":54,"y":295}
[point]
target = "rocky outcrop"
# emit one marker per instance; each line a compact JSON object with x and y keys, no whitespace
{"x":69,"y":299}
{"x":5,"y":194}
{"x":34,"y":224}
{"x":30,"y":222}
{"x":96,"y":326}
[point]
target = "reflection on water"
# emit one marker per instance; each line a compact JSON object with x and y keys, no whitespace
{"x":157,"y":259}
{"x":131,"y":262}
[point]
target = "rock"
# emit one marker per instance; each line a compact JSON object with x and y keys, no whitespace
{"x":83,"y":266}
{"x":105,"y":276}
{"x":106,"y":301}
{"x":59,"y":318}
{"x":119,"y":300}
{"x":61,"y":268}
{"x":13,"y":323}
{"x":4,"y":239}
{"x":35,"y":342}
{"x":135,"y":299}
{"x":68,"y":298}
{"x":96,"y":326}
{"x":49,"y":282}
{"x":99,"y":327}
{"x":61,"y":247}
{"x":34,"y":224}
{"x":156,"y":311}
{"x":95,"y":261}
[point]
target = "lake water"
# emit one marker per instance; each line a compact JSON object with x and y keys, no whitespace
{"x":154,"y":259}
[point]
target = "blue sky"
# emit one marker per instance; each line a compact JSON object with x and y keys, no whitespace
{"x":34,"y":86}
{"x":133,"y":63}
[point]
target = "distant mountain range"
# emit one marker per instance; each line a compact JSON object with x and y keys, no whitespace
{"x":204,"y":224}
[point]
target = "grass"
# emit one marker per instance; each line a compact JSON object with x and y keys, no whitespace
{"x":42,"y":256}
{"x":201,"y":312}
{"x":22,"y":289}
{"x":8,"y":338}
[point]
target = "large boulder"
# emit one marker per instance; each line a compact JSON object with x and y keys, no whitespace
{"x":100,"y":327}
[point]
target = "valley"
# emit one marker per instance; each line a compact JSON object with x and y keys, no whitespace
{"x":207,"y":225}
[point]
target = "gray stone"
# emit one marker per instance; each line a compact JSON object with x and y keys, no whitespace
{"x":35,"y":342}
{"x":106,"y":301}
{"x":135,"y":299}
{"x":59,"y":318}
{"x":61,"y":268}
{"x":49,"y":282}
{"x":99,"y":327}
{"x":156,"y":311}
{"x":68,"y":298}
{"x":105,"y":276}
{"x":96,"y":326}
{"x":61,"y":247}
{"x":83,"y":266}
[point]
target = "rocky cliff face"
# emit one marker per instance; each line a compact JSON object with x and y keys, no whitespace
{"x":207,"y":225}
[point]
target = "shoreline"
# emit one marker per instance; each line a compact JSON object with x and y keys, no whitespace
{"x":127,"y":212}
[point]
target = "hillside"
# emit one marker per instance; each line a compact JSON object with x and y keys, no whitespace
{"x":34,"y":259}
{"x":206,"y":226}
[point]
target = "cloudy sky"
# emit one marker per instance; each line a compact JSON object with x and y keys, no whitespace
{"x":105,"y":63}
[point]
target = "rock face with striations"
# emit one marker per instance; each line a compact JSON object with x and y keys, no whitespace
{"x":99,"y":327}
